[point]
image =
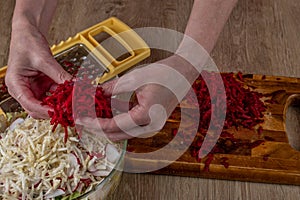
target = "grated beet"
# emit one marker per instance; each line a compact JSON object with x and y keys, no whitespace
{"x":244,"y":109}
{"x":88,"y":101}
{"x":224,"y":162}
{"x":209,"y":159}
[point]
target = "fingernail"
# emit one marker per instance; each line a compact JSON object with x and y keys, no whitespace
{"x":53,"y":87}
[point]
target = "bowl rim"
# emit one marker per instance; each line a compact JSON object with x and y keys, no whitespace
{"x":107,"y":178}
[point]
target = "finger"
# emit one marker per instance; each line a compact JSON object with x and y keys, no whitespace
{"x":124,"y":84}
{"x":108,"y":87}
{"x":41,"y":81}
{"x":53,"y":87}
{"x":27,"y":100}
{"x":117,"y":136}
{"x":118,"y":123}
{"x":139,"y":122}
{"x":129,"y":123}
{"x":54,"y":70}
{"x":120,"y":105}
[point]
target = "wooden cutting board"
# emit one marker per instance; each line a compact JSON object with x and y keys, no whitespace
{"x":272,"y":161}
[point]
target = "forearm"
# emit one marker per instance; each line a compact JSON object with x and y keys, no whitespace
{"x":205,"y":24}
{"x":207,"y":20}
{"x":37,"y":13}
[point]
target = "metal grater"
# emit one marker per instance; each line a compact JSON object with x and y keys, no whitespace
{"x":85,"y":53}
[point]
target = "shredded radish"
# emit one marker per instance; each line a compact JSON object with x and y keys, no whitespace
{"x":36,"y":163}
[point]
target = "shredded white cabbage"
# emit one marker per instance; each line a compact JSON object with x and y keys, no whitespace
{"x":36,"y":163}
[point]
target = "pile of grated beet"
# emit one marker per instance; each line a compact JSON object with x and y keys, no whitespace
{"x":244,"y":108}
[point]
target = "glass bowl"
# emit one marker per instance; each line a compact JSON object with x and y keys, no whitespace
{"x":70,"y":59}
{"x":107,"y":186}
{"x":110,"y":183}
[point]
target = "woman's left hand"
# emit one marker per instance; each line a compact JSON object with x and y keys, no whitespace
{"x":158,"y":88}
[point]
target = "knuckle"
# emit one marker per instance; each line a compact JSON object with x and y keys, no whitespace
{"x":140,"y":115}
{"x":143,"y":120}
{"x":62,"y":75}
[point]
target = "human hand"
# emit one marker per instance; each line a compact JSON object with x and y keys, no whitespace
{"x":158,"y":89}
{"x":32,"y":70}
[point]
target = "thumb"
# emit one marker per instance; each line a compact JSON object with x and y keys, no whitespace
{"x":125,"y":84}
{"x":108,"y":87}
{"x":55,"y":71}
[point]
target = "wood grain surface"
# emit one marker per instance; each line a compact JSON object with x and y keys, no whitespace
{"x":261,"y":37}
{"x":262,"y":154}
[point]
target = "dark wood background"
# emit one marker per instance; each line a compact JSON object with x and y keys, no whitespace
{"x":261,"y":37}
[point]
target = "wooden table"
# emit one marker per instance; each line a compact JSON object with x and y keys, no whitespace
{"x":261,"y":37}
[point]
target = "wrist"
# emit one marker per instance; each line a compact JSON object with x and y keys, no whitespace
{"x":29,"y":13}
{"x":182,"y":65}
{"x":23,"y":30}
{"x":23,"y":23}
{"x":194,"y":53}
{"x":26,"y":23}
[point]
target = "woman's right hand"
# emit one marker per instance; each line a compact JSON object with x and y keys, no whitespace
{"x":32,"y":70}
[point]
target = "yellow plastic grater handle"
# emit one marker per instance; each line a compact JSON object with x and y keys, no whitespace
{"x":129,"y":39}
